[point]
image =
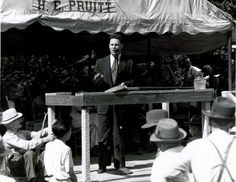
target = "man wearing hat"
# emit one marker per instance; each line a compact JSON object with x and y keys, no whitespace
{"x":3,"y":153}
{"x":212,"y":158}
{"x":152,"y":118}
{"x":22,"y":142}
{"x":168,"y":137}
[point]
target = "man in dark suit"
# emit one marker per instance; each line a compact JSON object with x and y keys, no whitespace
{"x":110,"y":71}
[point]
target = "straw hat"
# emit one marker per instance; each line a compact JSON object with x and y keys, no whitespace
{"x":153,"y":116}
{"x":10,"y":115}
{"x":168,"y":131}
{"x":222,"y":108}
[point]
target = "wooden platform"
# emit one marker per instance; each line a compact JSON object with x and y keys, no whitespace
{"x":140,"y":165}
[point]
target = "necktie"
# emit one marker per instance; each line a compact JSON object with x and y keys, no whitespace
{"x":114,"y":70}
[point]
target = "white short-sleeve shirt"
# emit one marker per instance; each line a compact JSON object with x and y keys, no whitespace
{"x":58,"y":160}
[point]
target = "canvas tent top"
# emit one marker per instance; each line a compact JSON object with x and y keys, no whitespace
{"x":188,"y":26}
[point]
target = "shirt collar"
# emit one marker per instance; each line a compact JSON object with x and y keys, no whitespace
{"x":219,"y":134}
{"x":175,"y":149}
{"x":112,"y":58}
{"x":171,"y":150}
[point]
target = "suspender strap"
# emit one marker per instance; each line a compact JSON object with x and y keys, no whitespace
{"x":224,"y":160}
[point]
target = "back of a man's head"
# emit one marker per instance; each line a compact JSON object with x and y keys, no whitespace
{"x":222,"y":114}
{"x":60,"y":128}
{"x":221,"y":124}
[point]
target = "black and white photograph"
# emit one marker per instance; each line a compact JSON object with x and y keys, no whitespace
{"x":118,"y":91}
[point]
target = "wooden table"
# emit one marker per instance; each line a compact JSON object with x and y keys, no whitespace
{"x":87,"y":99}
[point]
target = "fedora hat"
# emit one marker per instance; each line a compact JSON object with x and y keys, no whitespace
{"x":10,"y":115}
{"x":153,"y":116}
{"x":222,"y":108}
{"x":168,"y":131}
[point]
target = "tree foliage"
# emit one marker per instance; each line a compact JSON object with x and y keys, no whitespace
{"x":228,"y":6}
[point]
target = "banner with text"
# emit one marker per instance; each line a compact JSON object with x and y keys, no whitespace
{"x":110,"y":16}
{"x":89,"y":6}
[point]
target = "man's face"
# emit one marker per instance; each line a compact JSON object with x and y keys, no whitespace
{"x":115,"y":47}
{"x":17,"y":124}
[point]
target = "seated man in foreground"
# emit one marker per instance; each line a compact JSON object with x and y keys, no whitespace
{"x":22,"y":161}
{"x":3,"y":153}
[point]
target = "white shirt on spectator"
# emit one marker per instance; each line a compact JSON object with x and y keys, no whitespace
{"x":201,"y":157}
{"x":58,"y":160}
{"x":6,"y":179}
{"x":21,"y":141}
{"x":163,"y":162}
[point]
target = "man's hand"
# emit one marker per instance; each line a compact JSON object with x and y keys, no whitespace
{"x":48,"y":138}
{"x":98,"y":77}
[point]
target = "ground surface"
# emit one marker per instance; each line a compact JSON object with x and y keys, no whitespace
{"x":140,"y":165}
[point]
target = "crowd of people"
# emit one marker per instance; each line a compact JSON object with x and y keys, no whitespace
{"x":31,"y":149}
{"x":211,"y":158}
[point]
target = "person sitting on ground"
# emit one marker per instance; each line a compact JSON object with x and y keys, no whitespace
{"x":3,"y":156}
{"x":59,"y":165}
{"x":211,"y":158}
{"x":22,"y":143}
{"x":168,"y":137}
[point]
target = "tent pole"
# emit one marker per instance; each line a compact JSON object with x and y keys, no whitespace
{"x":229,"y":61}
{"x":233,"y":46}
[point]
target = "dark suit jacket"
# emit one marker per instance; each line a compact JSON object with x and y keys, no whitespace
{"x":124,"y":75}
{"x":110,"y":118}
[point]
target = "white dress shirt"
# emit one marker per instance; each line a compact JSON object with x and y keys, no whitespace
{"x":112,"y":59}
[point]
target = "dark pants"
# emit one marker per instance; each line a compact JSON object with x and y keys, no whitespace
{"x":111,"y":140}
{"x":23,"y":165}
